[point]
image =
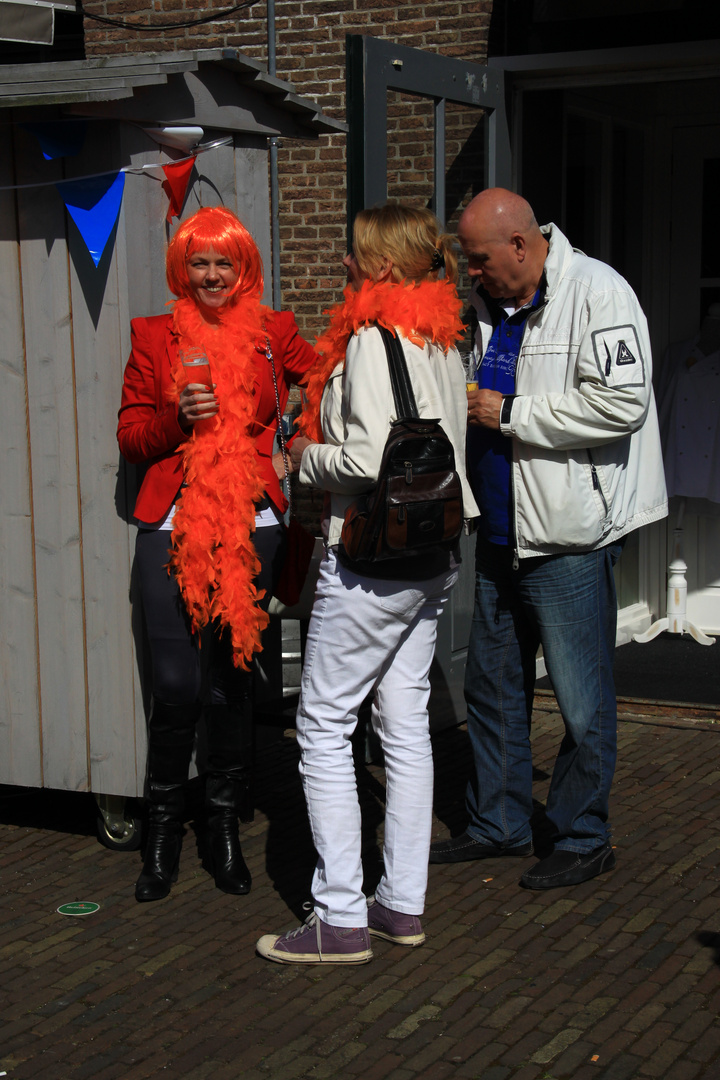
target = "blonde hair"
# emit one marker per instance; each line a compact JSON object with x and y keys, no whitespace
{"x":409,"y":237}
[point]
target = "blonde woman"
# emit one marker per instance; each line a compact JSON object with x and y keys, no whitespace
{"x":371,"y":634}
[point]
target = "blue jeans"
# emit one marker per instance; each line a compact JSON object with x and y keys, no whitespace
{"x":568,"y":604}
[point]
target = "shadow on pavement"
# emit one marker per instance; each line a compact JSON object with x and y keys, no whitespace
{"x":43,"y":808}
{"x":711,"y":941}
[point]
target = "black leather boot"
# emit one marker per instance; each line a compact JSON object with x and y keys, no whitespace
{"x":224,"y":857}
{"x":164,"y":840}
{"x":171,"y":734}
{"x":228,"y":794}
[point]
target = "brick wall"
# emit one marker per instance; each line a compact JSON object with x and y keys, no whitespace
{"x":311,"y":55}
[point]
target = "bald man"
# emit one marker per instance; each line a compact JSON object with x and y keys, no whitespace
{"x":564,"y":459}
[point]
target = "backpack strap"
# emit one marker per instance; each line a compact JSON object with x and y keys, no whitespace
{"x":405,"y":405}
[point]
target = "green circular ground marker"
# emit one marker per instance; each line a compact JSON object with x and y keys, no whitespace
{"x":78,"y":907}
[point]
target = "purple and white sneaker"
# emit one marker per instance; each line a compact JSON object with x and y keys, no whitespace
{"x":393,"y":926}
{"x":316,"y":942}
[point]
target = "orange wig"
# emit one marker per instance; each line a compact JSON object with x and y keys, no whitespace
{"x":218,"y":228}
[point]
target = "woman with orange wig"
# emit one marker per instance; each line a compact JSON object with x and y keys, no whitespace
{"x":210,"y":541}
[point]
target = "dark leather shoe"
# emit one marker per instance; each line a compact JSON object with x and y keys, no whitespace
{"x":568,"y":868}
{"x":463,"y":849}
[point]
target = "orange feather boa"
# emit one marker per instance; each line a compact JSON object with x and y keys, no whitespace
{"x":428,"y":311}
{"x":213,"y":556}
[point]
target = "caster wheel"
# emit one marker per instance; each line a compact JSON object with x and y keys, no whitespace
{"x":119,"y":827}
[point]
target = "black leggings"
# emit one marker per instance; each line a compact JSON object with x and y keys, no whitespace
{"x":178,"y":664}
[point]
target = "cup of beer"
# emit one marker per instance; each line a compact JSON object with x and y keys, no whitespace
{"x":468,"y":363}
{"x":196,"y":368}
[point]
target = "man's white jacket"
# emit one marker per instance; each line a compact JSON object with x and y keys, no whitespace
{"x":587,"y":463}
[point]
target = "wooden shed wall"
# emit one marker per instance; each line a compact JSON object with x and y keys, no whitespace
{"x":72,"y":713}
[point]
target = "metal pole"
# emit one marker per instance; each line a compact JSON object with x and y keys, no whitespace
{"x":274,"y":184}
{"x":272,"y":62}
{"x":439,"y":196}
{"x":275,"y":224}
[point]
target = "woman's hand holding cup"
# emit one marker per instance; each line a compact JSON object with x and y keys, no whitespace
{"x":197,"y":400}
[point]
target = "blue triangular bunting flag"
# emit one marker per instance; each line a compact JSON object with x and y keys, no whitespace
{"x":94,"y":205}
{"x":62,"y":139}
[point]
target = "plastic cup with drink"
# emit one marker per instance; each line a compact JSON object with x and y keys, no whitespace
{"x":196,"y":368}
{"x":196,"y":372}
{"x":471,"y":379}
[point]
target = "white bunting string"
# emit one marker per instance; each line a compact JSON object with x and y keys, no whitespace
{"x":134,"y":169}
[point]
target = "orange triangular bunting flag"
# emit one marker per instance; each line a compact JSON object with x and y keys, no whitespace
{"x":175,"y":187}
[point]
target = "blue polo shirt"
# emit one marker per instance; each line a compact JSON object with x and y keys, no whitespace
{"x":490,"y":452}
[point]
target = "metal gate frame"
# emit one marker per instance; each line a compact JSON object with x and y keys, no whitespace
{"x":374,"y":66}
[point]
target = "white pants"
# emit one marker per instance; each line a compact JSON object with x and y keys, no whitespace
{"x":368,"y":635}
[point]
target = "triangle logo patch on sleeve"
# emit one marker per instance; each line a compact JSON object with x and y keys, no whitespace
{"x":619,"y":356}
{"x":624,"y":356}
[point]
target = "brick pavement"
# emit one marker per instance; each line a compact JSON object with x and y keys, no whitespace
{"x":615,"y":979}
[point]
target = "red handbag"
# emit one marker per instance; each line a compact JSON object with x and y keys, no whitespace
{"x":300,"y":546}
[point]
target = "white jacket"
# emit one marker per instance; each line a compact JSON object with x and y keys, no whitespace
{"x":358,"y":408}
{"x":587,"y":463}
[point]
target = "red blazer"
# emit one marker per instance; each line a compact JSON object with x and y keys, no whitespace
{"x":148,"y":430}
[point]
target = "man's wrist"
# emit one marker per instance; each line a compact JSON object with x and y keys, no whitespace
{"x":506,"y":410}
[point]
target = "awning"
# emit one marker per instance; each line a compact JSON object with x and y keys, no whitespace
{"x":213,"y":88}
